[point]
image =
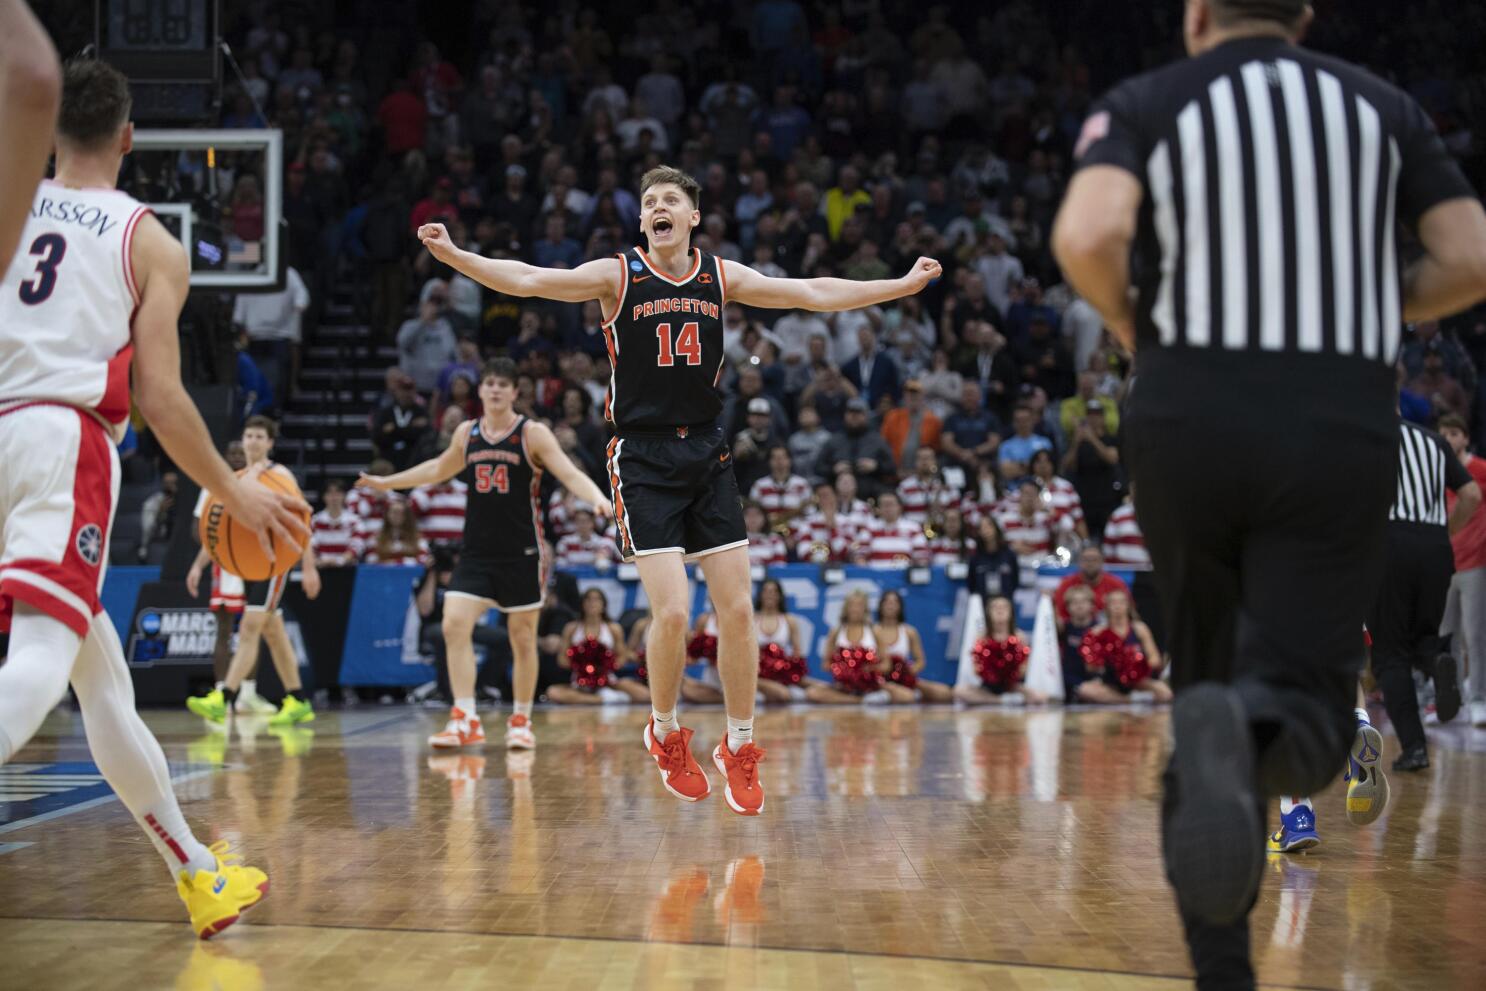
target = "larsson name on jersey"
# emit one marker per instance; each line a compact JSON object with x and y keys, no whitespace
{"x":84,"y":215}
{"x":701,"y":307}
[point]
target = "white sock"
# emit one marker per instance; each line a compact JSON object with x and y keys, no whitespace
{"x":1362,"y":716}
{"x":1288,"y":803}
{"x":521,"y":709}
{"x":466,"y":706}
{"x":125,"y":752}
{"x":220,"y":685}
{"x":740,"y":731}
{"x":665,"y":724}
{"x":249,"y":688}
{"x":34,"y":678}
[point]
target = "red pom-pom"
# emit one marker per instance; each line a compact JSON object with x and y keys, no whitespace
{"x":702,"y":646}
{"x":902,"y":672}
{"x":775,"y":664}
{"x":1000,"y":665}
{"x":855,"y":670}
{"x":592,"y":663}
{"x":1099,"y":649}
{"x":1131,"y":666}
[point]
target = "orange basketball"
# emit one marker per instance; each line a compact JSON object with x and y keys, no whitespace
{"x":236,"y":548}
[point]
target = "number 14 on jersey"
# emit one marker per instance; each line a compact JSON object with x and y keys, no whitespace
{"x":688,"y":344}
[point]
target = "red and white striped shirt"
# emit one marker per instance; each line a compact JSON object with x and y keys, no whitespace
{"x":1124,"y":546}
{"x":765,"y":549}
{"x":560,"y":510}
{"x":404,"y":555}
{"x":1062,"y":501}
{"x":369,"y":505}
{"x":1035,"y":532}
{"x":857,"y":515}
{"x":919,"y":497}
{"x":892,"y":545}
{"x":784,"y":498}
{"x":817,"y":541}
{"x":440,"y":511}
{"x":574,"y":551}
{"x":336,"y":540}
{"x":943,"y":550}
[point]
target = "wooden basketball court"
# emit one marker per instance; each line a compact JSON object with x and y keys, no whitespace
{"x":898,"y":850}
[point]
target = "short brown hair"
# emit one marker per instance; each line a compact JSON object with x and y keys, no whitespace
{"x":1451,"y":421}
{"x":95,"y":103}
{"x":500,"y":368}
{"x":1286,"y":12}
{"x":262,"y":423}
{"x":669,"y":173}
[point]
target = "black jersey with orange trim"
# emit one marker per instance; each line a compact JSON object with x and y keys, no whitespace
{"x":502,"y":518}
{"x":665,"y":345}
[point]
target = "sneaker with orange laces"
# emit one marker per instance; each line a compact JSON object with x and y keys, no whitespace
{"x":679,"y":770}
{"x":744,"y":792}
{"x":461,"y":731}
{"x":518,"y":733}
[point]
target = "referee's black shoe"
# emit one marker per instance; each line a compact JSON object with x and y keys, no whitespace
{"x":1446,"y":688}
{"x":1212,"y":833}
{"x":1415,"y":758}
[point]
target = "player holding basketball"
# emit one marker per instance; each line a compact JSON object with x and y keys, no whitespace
{"x":262,"y":617}
{"x":97,"y":280}
{"x":670,"y":467}
{"x":503,"y":562}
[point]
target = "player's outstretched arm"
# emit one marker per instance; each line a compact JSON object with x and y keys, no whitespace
{"x":164,"y":276}
{"x":547,"y":454}
{"x":598,"y":279}
{"x":30,"y":90}
{"x":431,"y":472}
{"x":823,"y":295}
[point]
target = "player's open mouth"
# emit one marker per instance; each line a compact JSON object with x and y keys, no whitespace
{"x":661,"y":225}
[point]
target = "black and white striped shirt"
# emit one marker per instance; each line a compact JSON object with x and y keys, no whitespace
{"x":1426,"y":468}
{"x":1275,"y":179}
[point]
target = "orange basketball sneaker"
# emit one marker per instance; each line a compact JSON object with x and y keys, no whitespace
{"x":518,"y":733}
{"x":679,"y":770}
{"x":460,"y":731}
{"x":744,"y":791}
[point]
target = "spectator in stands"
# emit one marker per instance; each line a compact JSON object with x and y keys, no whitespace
{"x":765,"y":547}
{"x":585,"y":547}
{"x":808,"y":440}
{"x":1446,"y":396}
{"x":795,"y":330}
{"x":384,"y":233}
{"x":858,"y":450}
{"x":1026,"y":524}
{"x":943,"y":386}
{"x":844,"y":199}
{"x":437,"y":207}
{"x":889,"y":541}
{"x":829,"y":394}
{"x":369,"y":505}
{"x":823,"y":534}
{"x":398,"y":540}
{"x":466,"y":362}
{"x":556,"y":249}
{"x":872,"y":372}
{"x":577,"y":413}
{"x":751,"y":445}
{"x":1455,"y":361}
{"x":400,"y":423}
{"x":1092,"y":465}
{"x":1062,"y":500}
{"x":909,"y":427}
{"x":985,"y":360}
{"x":1092,"y":574}
{"x":924,"y":494}
{"x":994,"y":569}
{"x":461,"y":395}
{"x":1000,"y":271}
{"x":425,"y":345}
{"x":403,"y":117}
{"x":950,"y":544}
{"x":157,"y":517}
{"x":255,"y":396}
{"x":1016,"y":451}
{"x":335,"y":531}
{"x":972,"y":433}
{"x":856,"y":511}
{"x":781,"y":493}
{"x":272,"y":323}
{"x":1124,"y":545}
{"x":1076,"y":407}
{"x":439,"y":510}
{"x":1044,"y":360}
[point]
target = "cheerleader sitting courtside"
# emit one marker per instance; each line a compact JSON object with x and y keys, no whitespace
{"x":903,"y":650}
{"x":596,"y":650}
{"x":1121,"y":656}
{"x":782,"y":671}
{"x":1000,"y":659}
{"x":859,"y":673}
{"x":702,"y":647}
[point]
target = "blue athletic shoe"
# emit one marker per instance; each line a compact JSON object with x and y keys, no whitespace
{"x":1367,"y":786}
{"x":1297,"y":831}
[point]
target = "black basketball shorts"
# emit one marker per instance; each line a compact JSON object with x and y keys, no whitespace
{"x":674,"y":492}
{"x":513,"y":584}
{"x":265,"y":596}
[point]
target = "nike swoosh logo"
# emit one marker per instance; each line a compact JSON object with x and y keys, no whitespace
{"x":724,"y":458}
{"x":638,"y":278}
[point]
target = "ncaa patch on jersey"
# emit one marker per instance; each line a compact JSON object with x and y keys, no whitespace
{"x":636,"y":266}
{"x":90,"y":544}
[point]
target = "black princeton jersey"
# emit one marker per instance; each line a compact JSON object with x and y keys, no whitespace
{"x":665,"y":345}
{"x":501,"y":518}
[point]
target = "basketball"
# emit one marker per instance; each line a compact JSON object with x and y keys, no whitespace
{"x":236,"y":548}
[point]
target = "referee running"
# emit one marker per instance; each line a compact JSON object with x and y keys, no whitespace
{"x":1235,"y":218}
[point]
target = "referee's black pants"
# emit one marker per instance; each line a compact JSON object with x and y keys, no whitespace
{"x":1266,"y":538}
{"x":1405,"y":619}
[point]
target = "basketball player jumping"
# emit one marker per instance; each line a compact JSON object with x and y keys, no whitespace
{"x":670,"y":467}
{"x":98,"y":279}
{"x":262,"y":617}
{"x":503,"y":562}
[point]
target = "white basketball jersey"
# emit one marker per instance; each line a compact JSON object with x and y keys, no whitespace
{"x":67,"y":303}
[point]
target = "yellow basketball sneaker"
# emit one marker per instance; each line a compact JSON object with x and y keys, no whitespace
{"x":294,"y":710}
{"x":217,"y":899}
{"x":212,"y":706}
